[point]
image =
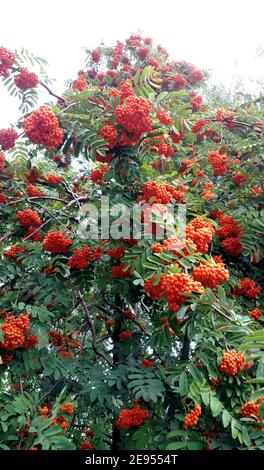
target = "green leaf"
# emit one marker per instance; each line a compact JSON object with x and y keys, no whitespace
{"x":183,"y":384}
{"x":176,"y":446}
{"x":245,"y":437}
{"x":226,"y":418}
{"x":215,"y":405}
{"x":196,"y":374}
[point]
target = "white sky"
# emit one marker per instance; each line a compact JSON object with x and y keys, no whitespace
{"x":222,"y":35}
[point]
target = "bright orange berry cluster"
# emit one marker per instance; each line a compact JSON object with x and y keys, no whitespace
{"x":129,"y":418}
{"x":210,"y":275}
{"x":28,"y":218}
{"x":80,"y":83}
{"x":250,"y":410}
{"x":248,"y":288}
{"x":133,"y":115}
{"x":201,"y":233}
{"x":14,"y":329}
{"x":174,"y":245}
{"x":154,"y":291}
{"x":232,"y":362}
{"x":207,"y":193}
{"x":229,"y":232}
{"x":191,"y":419}
{"x":219,"y":163}
{"x":56,"y":242}
{"x":13,"y":252}
{"x":67,"y":408}
{"x":33,"y":191}
{"x":97,"y":174}
{"x":42,"y":127}
{"x":174,"y":286}
{"x":54,"y":179}
{"x":256,"y":313}
{"x":160,"y":193}
{"x":80,"y":259}
{"x":109,"y":134}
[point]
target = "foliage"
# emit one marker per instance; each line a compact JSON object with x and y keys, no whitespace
{"x":121,"y":325}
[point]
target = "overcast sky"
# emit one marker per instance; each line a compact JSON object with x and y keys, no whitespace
{"x":222,"y":35}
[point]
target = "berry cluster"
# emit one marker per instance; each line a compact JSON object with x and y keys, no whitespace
{"x":160,"y":193}
{"x":229,"y":233}
{"x":133,"y":115}
{"x":80,"y":83}
{"x":86,"y":445}
{"x":239,"y":179}
{"x":174,"y":245}
{"x":67,"y":408}
{"x":227,"y":117}
{"x":210,"y":275}
{"x":33,"y":191}
{"x":56,"y":242}
{"x":128,"y":315}
{"x":42,"y":127}
{"x":7,"y":59}
{"x":232,"y":362}
{"x":201,"y":233}
{"x":119,"y":271}
{"x":175,"y":287}
{"x":32,"y":235}
{"x":256,"y":314}
{"x":80,"y":259}
{"x":26,"y":79}
{"x":163,"y":117}
{"x":125,"y":335}
{"x":97,"y":174}
{"x":207,"y":193}
{"x":28,"y":218}
{"x":129,"y":418}
{"x":65,"y":344}
{"x":30,"y":341}
{"x":8,"y":138}
{"x":219,"y":163}
{"x":54,"y":179}
{"x":147,"y":363}
{"x":199,"y":124}
{"x":153,"y":291}
{"x":248,"y":288}
{"x":60,"y":421}
{"x":96,"y":55}
{"x":13,"y":252}
{"x":196,"y":101}
{"x":109,"y":134}
{"x":14,"y":329}
{"x":251,"y":409}
{"x":191,"y":419}
{"x":116,"y":252}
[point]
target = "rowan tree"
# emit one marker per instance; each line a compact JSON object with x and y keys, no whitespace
{"x":135,"y":342}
